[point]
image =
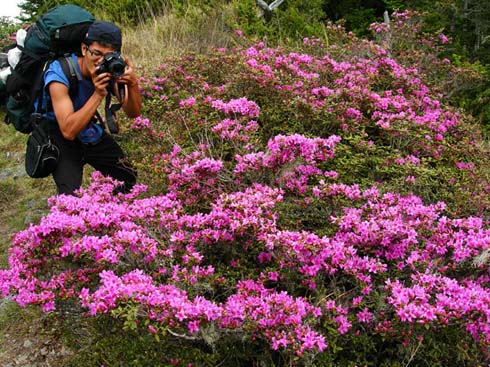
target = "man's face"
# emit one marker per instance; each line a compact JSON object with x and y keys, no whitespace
{"x":94,"y":54}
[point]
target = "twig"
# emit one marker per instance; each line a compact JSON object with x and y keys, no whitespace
{"x":414,"y":353}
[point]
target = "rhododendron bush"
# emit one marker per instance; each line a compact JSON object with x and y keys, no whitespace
{"x":292,"y":203}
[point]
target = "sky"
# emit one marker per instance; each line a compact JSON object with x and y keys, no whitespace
{"x":9,"y":8}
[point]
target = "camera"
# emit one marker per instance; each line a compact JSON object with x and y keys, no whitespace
{"x":113,"y":63}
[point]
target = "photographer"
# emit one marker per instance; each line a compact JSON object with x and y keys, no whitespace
{"x":78,"y":134}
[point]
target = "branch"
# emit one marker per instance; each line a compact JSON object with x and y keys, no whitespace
{"x":183,"y":336}
{"x":269,"y":8}
{"x":264,"y":5}
{"x":275,"y":4}
{"x":386,"y":17}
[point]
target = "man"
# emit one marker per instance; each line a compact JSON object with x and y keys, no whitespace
{"x":79,"y":136}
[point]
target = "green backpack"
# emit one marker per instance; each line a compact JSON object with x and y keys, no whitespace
{"x":58,"y":32}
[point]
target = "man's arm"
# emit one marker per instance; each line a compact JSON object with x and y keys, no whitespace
{"x":71,"y":122}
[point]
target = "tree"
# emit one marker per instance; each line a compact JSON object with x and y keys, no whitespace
{"x":30,"y":9}
{"x":357,"y":14}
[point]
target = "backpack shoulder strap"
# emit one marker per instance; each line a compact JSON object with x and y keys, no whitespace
{"x":71,"y":72}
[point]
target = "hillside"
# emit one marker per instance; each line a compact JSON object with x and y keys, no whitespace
{"x":316,"y":203}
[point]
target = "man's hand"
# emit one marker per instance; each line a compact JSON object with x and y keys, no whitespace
{"x":132,"y":103}
{"x":129,"y":77}
{"x":101,"y":81}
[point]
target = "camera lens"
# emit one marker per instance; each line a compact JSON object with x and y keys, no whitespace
{"x":117,"y":68}
{"x":114,"y":64}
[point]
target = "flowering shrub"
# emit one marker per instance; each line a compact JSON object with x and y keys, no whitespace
{"x":320,"y":209}
{"x":151,"y":254}
{"x":462,"y":82}
{"x":394,"y":129}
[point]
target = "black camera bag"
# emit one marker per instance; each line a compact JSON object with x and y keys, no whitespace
{"x":41,"y":153}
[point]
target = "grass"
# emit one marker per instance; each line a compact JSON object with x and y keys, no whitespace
{"x":171,"y":35}
{"x":22,"y":201}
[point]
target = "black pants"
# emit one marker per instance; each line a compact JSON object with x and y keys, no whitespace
{"x":106,"y":157}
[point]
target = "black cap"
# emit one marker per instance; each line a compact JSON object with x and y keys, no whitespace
{"x":104,"y":32}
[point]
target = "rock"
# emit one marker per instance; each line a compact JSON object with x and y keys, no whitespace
{"x":16,"y":156}
{"x":21,"y":358}
{"x":27,"y":343}
{"x":15,"y":172}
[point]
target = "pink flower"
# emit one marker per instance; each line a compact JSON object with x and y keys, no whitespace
{"x":189,"y":102}
{"x":141,"y":123}
{"x":365,"y":315}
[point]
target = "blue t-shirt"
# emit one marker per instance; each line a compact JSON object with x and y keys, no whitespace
{"x":92,"y":131}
